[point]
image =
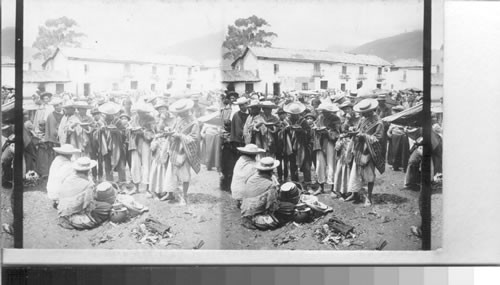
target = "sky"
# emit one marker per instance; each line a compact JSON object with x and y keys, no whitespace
{"x":143,"y":25}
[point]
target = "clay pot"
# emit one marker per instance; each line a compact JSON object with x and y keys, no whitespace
{"x":119,"y":215}
{"x":303,"y":215}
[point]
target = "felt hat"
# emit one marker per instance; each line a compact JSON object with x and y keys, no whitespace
{"x":281,"y":111}
{"x":124,"y":115}
{"x":366,"y":105}
{"x":345,"y":104}
{"x":45,"y":94}
{"x":66,"y":149}
{"x":294,"y":108}
{"x":398,"y":108}
{"x":56,"y":101}
{"x":251,"y":149}
{"x":95,"y":111}
{"x":268,"y":105}
{"x":267,"y":163}
{"x":181,"y":105}
{"x":241,"y":101}
{"x":310,"y":115}
{"x":109,"y":108}
{"x":232,"y":93}
{"x":84,"y":163}
{"x":328,"y":107}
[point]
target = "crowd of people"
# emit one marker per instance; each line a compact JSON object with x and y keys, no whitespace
{"x":327,"y":142}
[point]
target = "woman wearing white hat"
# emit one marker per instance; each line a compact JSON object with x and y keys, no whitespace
{"x":184,"y":146}
{"x":244,"y":169}
{"x":59,"y":170}
{"x":367,"y":151}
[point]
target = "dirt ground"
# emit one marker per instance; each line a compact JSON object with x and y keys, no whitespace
{"x":212,"y":221}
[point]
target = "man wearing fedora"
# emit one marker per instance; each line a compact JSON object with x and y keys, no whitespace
{"x":52,"y":124}
{"x":254,"y":118}
{"x":184,"y":149}
{"x":64,"y":125}
{"x":60,"y":169}
{"x":266,"y":130}
{"x":243,"y":170}
{"x":43,"y":110}
{"x":366,"y":151}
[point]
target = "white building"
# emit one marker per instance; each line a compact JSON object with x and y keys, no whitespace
{"x":286,"y":69}
{"x":95,"y":71}
{"x":54,"y":82}
{"x":8,"y":71}
{"x":406,"y":73}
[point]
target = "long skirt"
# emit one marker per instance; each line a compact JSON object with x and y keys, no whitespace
{"x":141,"y":162}
{"x":325,"y":164}
{"x":341,"y":180}
{"x":399,"y":149}
{"x":211,"y":151}
{"x":157,"y":177}
{"x":360,"y":176}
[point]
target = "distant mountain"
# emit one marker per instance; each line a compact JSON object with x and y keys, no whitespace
{"x":9,"y":41}
{"x":402,"y":46}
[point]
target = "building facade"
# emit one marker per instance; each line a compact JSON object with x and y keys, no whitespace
{"x":91,"y":71}
{"x":286,"y":69}
{"x":406,"y":73}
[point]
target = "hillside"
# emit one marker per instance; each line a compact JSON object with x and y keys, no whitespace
{"x":402,"y":46}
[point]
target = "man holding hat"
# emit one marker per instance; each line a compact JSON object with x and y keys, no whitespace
{"x":184,"y":145}
{"x":60,"y":169}
{"x":244,"y":169}
{"x":367,"y":151}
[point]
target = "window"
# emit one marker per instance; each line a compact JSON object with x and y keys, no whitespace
{"x":126,"y":67}
{"x":379,"y":86}
{"x":59,"y":88}
{"x":153,"y":87}
{"x":169,"y":84}
{"x":248,"y":87}
{"x":276,"y":68}
{"x":437,"y":68}
{"x":134,"y":85}
{"x":324,"y":84}
{"x":153,"y":69}
{"x":359,"y":84}
{"x":41,"y":87}
{"x":404,"y":75}
{"x":344,"y":69}
{"x":190,"y":70}
{"x":342,"y":86}
{"x":305,"y":86}
{"x":361,"y":70}
{"x":115,"y":86}
{"x":86,"y":89}
{"x":171,"y":70}
{"x":86,"y":68}
{"x":379,"y":71}
{"x":317,"y":67}
{"x":188,"y":86}
{"x":276,"y":89}
{"x":230,"y":87}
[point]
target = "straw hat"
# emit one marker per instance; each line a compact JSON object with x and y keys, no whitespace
{"x":66,"y":149}
{"x":84,"y":163}
{"x":212,"y":108}
{"x":268,"y":105}
{"x":109,"y":108}
{"x":267,"y":163}
{"x":160,"y":104}
{"x":366,"y":105}
{"x":95,"y":111}
{"x":381,"y":97}
{"x":45,"y":94}
{"x":294,"y":108}
{"x":398,"y":108}
{"x":254,"y":103}
{"x":328,"y":107}
{"x":181,"y":105}
{"x":56,"y":101}
{"x":251,"y":149}
{"x":345,"y":104}
{"x":68,"y":104}
{"x":82,"y":105}
{"x":241,"y":101}
{"x":124,"y":115}
{"x":338,"y":98}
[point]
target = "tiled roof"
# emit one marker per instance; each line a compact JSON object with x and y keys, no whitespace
{"x":317,"y":56}
{"x":238,"y":76}
{"x":99,"y":55}
{"x":38,"y":76}
{"x":411,"y":62}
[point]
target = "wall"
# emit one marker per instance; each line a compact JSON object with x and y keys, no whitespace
{"x":414,"y":78}
{"x":8,"y":75}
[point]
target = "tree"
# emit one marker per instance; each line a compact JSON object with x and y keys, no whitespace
{"x":56,"y":33}
{"x":246,"y":32}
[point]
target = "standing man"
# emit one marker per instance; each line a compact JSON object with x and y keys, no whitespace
{"x":52,"y":125}
{"x":367,"y":151}
{"x":183,"y":145}
{"x":44,"y":109}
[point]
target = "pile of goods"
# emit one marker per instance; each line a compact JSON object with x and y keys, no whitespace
{"x":335,"y":232}
{"x":292,"y":207}
{"x":153,"y":232}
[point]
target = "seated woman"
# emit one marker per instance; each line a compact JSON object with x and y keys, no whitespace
{"x":261,"y":191}
{"x":243,"y":170}
{"x":60,"y":169}
{"x":77,"y":208}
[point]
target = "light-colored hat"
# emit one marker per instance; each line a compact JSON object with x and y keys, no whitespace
{"x":254,"y":103}
{"x":338,"y":98}
{"x":68,"y":104}
{"x":212,"y":108}
{"x":328,"y":107}
{"x":103,"y":186}
{"x":366,"y":105}
{"x":66,"y":149}
{"x":268,"y":105}
{"x":381,"y":97}
{"x":161,"y":103}
{"x":181,"y":105}
{"x":56,"y":101}
{"x":196,"y":97}
{"x":109,"y":108}
{"x":267,"y":163}
{"x":251,"y":149}
{"x":345,"y":104}
{"x":398,"y":108}
{"x":241,"y":101}
{"x":82,"y":105}
{"x":294,"y":108}
{"x":124,"y":115}
{"x":84,"y":163}
{"x":45,"y":94}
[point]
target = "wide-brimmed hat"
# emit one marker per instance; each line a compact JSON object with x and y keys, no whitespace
{"x":161,"y":103}
{"x":181,"y":105}
{"x":195,"y":97}
{"x":310,"y":115}
{"x":124,"y":115}
{"x":109,"y":108}
{"x":56,"y":101}
{"x":95,"y":111}
{"x":268,"y":105}
{"x":45,"y":94}
{"x":232,"y":93}
{"x":295,"y":108}
{"x":241,"y":101}
{"x":84,"y":163}
{"x":381,"y":97}
{"x":366,"y":105}
{"x":398,"y":108}
{"x":254,"y":103}
{"x":81,"y":105}
{"x":267,"y":163}
{"x":251,"y":149}
{"x":339,"y":98}
{"x":68,"y":104}
{"x":212,"y":108}
{"x":345,"y":104}
{"x":66,"y":149}
{"x":328,"y":107}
